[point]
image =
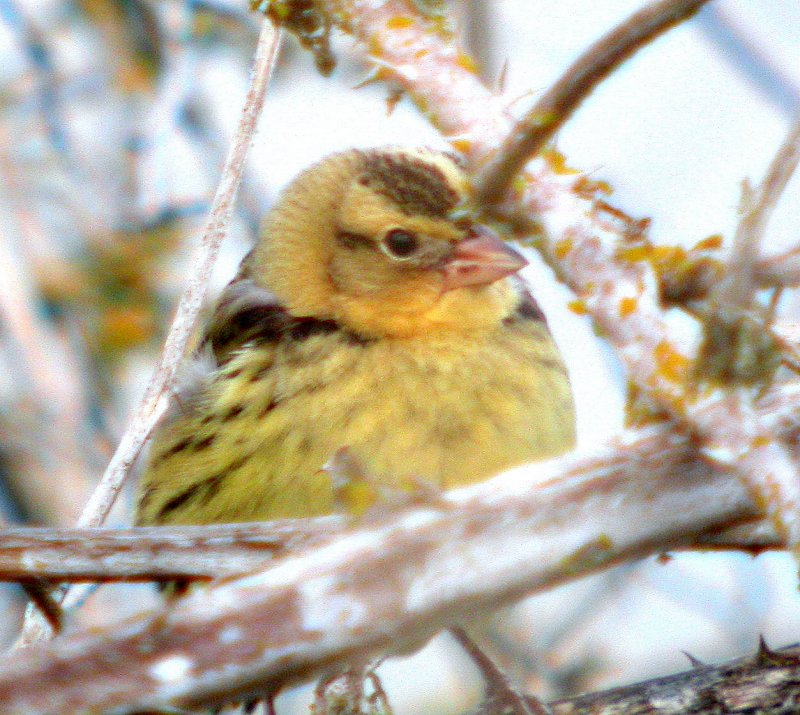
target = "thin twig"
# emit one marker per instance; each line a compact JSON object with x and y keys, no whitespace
{"x":558,"y":104}
{"x":153,"y":403}
{"x":757,"y":207}
{"x":500,"y":694}
{"x":780,"y":270}
{"x":41,"y":595}
{"x":155,"y":399}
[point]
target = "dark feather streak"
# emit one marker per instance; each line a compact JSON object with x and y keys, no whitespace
{"x":268,"y":408}
{"x":249,"y":315}
{"x":232,"y":413}
{"x":177,"y":447}
{"x":206,"y":489}
{"x":303,"y":328}
{"x":204,"y":443}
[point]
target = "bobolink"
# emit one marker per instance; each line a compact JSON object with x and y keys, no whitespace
{"x":373,"y":314}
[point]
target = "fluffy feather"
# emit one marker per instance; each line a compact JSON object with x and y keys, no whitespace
{"x":434,"y":364}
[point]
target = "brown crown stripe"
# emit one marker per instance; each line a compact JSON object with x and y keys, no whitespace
{"x":418,"y":188}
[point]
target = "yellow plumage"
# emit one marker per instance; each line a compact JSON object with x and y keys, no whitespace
{"x":373,"y":314}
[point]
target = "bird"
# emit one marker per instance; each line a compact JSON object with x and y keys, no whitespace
{"x":375,"y":313}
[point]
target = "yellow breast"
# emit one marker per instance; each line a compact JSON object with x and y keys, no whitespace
{"x":448,"y":410}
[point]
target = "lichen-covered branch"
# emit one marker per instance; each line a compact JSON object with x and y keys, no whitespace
{"x":739,"y":351}
{"x":388,"y":585}
{"x":586,"y":245}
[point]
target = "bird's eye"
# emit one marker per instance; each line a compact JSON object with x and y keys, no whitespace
{"x":400,"y":244}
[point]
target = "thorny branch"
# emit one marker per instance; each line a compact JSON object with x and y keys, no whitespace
{"x":767,"y":683}
{"x":391,"y":583}
{"x":585,"y":248}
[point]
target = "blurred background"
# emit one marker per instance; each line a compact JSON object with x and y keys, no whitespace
{"x":115,"y":116}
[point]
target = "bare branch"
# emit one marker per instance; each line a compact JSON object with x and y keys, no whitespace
{"x":155,"y":553}
{"x":155,"y":399}
{"x":387,"y":585}
{"x":757,"y":207}
{"x":558,"y":104}
{"x":500,"y":696}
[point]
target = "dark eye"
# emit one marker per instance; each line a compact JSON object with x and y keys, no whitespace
{"x":400,"y":243}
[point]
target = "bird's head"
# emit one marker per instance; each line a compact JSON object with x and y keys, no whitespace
{"x":381,"y":241}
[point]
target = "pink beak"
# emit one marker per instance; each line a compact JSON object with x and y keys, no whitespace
{"x":481,"y":259}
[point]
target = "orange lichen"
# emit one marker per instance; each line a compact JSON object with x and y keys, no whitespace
{"x":519,"y":185}
{"x":466,"y":62}
{"x":399,"y":22}
{"x":627,"y":306}
{"x":462,"y":145}
{"x":672,"y":365}
{"x":684,"y":275}
{"x":760,"y":441}
{"x":556,"y":160}
{"x":588,"y":188}
{"x":635,"y":253}
{"x":711,"y":243}
{"x":588,"y":556}
{"x":562,"y":248}
{"x":641,"y":409}
{"x":578,"y":307}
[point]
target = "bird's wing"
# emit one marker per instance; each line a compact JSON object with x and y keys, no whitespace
{"x":245,"y":312}
{"x":259,"y":357}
